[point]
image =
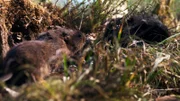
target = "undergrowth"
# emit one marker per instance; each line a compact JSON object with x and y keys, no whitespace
{"x":110,"y":72}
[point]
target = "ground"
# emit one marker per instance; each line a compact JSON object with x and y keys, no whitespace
{"x":109,"y":72}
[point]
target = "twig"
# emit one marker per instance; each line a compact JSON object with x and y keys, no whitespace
{"x":178,"y":34}
{"x":56,"y":2}
{"x":168,"y":72}
{"x":168,"y":89}
{"x":160,"y":90}
{"x":81,"y":21}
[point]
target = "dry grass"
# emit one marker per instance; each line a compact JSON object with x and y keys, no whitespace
{"x":110,"y":72}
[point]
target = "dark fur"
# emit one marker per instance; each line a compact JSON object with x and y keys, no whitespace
{"x":28,"y":61}
{"x":144,"y":26}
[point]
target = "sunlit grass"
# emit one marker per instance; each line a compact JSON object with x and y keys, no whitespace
{"x":110,"y":72}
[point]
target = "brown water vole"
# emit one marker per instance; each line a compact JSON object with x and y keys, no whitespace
{"x":74,"y":39}
{"x":28,"y":61}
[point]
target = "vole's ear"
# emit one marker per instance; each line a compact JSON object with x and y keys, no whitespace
{"x":65,"y":36}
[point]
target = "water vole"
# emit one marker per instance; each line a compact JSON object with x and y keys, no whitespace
{"x":141,"y":26}
{"x":74,"y":39}
{"x":28,"y":61}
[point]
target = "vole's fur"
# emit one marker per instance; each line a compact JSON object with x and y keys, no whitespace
{"x":30,"y":59}
{"x":144,"y":26}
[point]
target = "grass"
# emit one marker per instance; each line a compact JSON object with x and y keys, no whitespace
{"x":110,"y":72}
{"x":114,"y":75}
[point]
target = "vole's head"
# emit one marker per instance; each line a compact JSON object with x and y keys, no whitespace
{"x":74,"y":39}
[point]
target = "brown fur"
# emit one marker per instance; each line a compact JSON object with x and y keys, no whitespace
{"x":30,"y":59}
{"x":74,"y":39}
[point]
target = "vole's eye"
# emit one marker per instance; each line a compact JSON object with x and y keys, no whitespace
{"x":79,"y":35}
{"x":64,"y":34}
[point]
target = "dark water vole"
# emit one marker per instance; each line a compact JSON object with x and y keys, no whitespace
{"x":142,"y":26}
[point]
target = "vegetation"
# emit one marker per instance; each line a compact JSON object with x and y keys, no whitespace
{"x":110,"y":72}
